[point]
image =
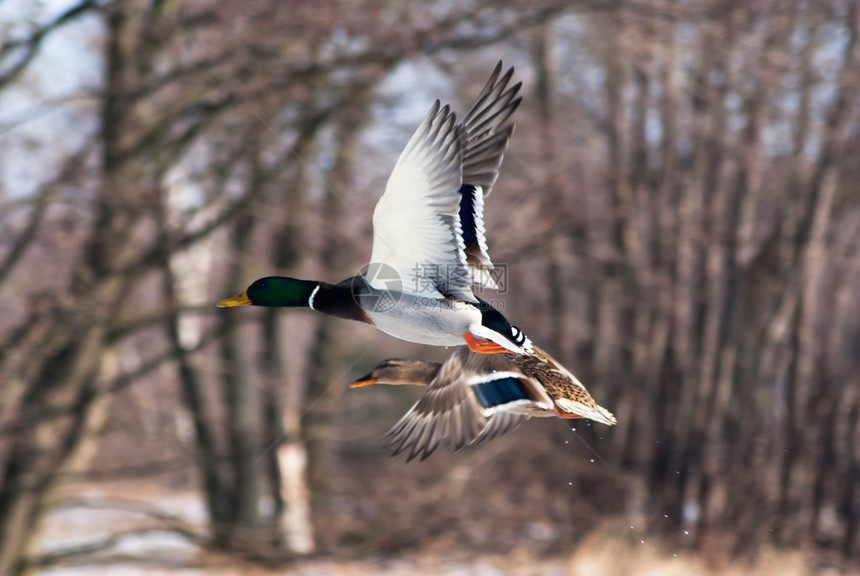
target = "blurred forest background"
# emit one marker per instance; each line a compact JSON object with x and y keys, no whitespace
{"x":678,"y":212}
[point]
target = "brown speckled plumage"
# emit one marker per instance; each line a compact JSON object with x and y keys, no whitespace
{"x":453,"y":409}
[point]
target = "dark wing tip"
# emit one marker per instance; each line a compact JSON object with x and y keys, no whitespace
{"x":508,"y":75}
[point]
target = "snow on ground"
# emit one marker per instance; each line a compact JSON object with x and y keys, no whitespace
{"x":89,"y":515}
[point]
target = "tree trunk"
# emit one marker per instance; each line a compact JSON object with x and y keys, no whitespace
{"x":285,"y":396}
{"x":208,"y":456}
{"x":327,"y":377}
{"x":240,"y":405}
{"x":68,"y":381}
{"x":547,"y":71}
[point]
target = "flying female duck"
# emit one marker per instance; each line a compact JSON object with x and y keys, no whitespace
{"x":429,"y":248}
{"x":475,"y":397}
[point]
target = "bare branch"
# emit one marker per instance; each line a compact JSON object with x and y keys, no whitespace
{"x":33,"y":43}
{"x":42,"y":200}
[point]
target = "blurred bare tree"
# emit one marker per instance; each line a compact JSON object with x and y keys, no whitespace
{"x":677,"y":211}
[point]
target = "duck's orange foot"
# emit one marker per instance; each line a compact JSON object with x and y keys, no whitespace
{"x":563,"y":414}
{"x":483,"y":346}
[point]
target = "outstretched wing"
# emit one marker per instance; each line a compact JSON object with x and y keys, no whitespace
{"x":460,"y":405}
{"x":487,"y":134}
{"x":428,"y":225}
{"x":446,"y":411}
{"x":416,"y":223}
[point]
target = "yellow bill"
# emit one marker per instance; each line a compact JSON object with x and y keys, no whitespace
{"x":240,"y":300}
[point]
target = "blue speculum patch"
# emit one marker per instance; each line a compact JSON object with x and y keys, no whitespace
{"x":499,"y":392}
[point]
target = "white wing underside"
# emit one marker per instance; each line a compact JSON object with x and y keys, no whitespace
{"x":416,"y":223}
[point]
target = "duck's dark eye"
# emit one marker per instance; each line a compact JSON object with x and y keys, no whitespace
{"x":261,"y":284}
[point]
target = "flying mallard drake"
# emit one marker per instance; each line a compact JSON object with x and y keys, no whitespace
{"x":475,"y":397}
{"x":429,"y":248}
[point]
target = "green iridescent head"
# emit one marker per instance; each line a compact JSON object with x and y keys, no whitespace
{"x":274,"y":291}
